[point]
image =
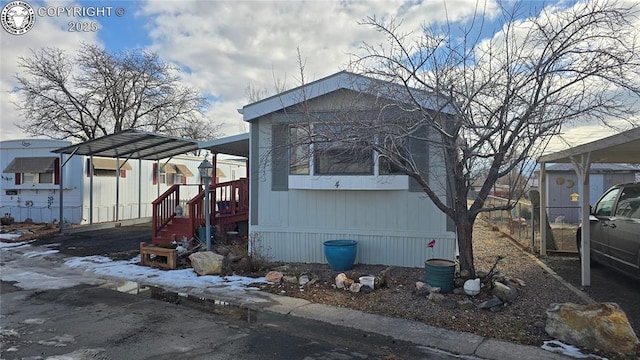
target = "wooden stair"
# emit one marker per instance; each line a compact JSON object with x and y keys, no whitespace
{"x":229,"y":204}
{"x":176,"y":229}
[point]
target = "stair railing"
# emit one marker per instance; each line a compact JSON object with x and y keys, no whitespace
{"x":164,"y":209}
{"x":196,"y":210}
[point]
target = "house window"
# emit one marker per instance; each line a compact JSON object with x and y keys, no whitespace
{"x":336,"y":159}
{"x":299,"y":151}
{"x":34,"y":170}
{"x":103,"y":167}
{"x":37,"y":178}
{"x":332,"y":151}
{"x":45,"y":178}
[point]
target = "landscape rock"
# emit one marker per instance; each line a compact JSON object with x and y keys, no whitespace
{"x":465,"y":304}
{"x":382,"y":279}
{"x":493,"y":302}
{"x":273,"y":276}
{"x":340,"y":278}
{"x":472,"y":287}
{"x":303,"y":281}
{"x":481,"y":274}
{"x":291,"y":279}
{"x":355,"y":287}
{"x":366,"y":290}
{"x":206,"y":263}
{"x":506,"y":293}
{"x":424,"y":289}
{"x":602,"y":326}
{"x":435,"y":297}
{"x":449,"y":303}
{"x":465,"y":275}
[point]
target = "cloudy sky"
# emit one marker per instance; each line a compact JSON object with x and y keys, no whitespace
{"x":225,"y":46}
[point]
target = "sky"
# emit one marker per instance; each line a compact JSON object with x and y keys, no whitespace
{"x":224,"y":47}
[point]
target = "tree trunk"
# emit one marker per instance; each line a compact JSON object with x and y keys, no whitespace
{"x":464,"y":229}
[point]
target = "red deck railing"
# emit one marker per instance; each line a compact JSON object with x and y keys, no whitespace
{"x":229,"y":202}
{"x":164,"y":209}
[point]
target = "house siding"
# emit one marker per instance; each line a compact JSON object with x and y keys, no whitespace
{"x":136,"y":190}
{"x":392,"y":227}
{"x":562,"y":183}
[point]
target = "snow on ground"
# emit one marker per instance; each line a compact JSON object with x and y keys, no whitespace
{"x":129,"y":270}
{"x":569,"y":350}
{"x":104,"y":267}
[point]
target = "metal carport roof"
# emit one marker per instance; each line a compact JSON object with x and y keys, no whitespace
{"x":132,"y":144}
{"x":124,"y":145}
{"x":620,"y":148}
{"x":237,"y":145}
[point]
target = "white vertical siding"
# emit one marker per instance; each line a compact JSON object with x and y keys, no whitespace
{"x":45,"y":197}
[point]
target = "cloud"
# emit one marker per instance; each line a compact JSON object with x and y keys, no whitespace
{"x":225,"y":46}
{"x":48,"y":31}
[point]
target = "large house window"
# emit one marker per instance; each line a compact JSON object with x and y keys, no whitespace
{"x":332,"y":151}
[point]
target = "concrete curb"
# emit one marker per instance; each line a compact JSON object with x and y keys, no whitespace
{"x":466,"y":344}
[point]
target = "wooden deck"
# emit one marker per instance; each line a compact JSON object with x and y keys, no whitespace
{"x":229,"y":203}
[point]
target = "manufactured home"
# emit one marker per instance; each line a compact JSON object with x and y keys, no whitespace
{"x":95,"y":189}
{"x":564,"y":188}
{"x":297,"y":202}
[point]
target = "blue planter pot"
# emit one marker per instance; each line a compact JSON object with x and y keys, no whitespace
{"x":340,"y":254}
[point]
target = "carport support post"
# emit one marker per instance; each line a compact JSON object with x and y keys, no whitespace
{"x":60,"y":221}
{"x":543,"y":209}
{"x":582,"y":166}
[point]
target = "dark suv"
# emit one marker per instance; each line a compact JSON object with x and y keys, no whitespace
{"x":615,"y":229}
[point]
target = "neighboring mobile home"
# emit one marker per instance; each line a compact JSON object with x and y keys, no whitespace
{"x":31,"y":175}
{"x":296,"y":204}
{"x":563,"y":182}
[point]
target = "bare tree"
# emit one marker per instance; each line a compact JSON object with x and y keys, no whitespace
{"x":510,"y":93}
{"x":478,"y":106}
{"x":98,"y":93}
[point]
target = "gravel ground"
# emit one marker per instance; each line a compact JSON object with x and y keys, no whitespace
{"x":521,"y":321}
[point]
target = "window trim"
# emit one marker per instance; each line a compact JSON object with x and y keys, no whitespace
{"x":312,"y":180}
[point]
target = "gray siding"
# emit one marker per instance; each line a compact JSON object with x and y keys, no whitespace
{"x":559,"y":192}
{"x":393,"y":227}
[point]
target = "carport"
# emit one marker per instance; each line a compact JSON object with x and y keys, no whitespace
{"x":619,"y":148}
{"x":123,"y":146}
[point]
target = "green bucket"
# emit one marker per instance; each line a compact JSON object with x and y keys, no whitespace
{"x":440,"y":273}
